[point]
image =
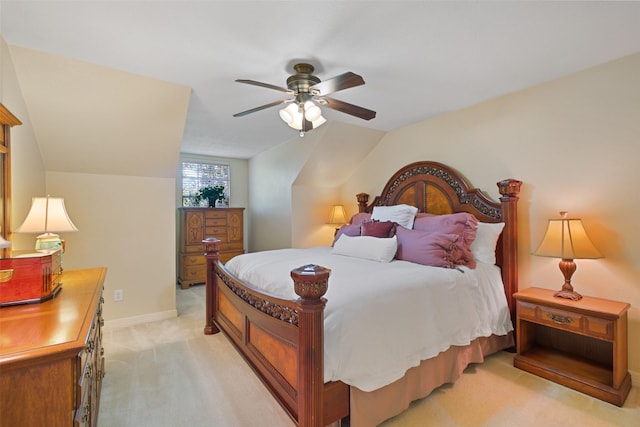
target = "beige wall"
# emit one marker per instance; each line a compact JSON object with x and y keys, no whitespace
{"x":126,"y":224}
{"x":574,"y":142}
{"x":293,"y":185}
{"x":126,"y":219}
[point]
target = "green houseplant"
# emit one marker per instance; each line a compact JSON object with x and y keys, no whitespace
{"x":212,"y":194}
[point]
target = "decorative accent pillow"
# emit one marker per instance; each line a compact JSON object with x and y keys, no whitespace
{"x":367,"y":247}
{"x":401,"y":214}
{"x":360,"y":217}
{"x":378,"y":229}
{"x":349,"y":230}
{"x":483,"y":247}
{"x":425,"y":247}
{"x":462,"y":223}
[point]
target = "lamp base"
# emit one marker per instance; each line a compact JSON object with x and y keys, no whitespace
{"x":572,"y":295}
{"x":48,"y":242}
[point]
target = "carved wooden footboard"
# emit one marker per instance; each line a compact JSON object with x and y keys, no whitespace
{"x":283,"y":340}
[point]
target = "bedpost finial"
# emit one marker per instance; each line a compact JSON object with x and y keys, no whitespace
{"x":362,"y":198}
{"x":509,"y":187}
{"x":310,"y":281}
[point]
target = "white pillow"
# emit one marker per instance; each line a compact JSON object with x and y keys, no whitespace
{"x":483,"y":247}
{"x":402,"y":214}
{"x":367,"y":247}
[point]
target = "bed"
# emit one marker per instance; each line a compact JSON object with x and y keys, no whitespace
{"x":283,"y":337}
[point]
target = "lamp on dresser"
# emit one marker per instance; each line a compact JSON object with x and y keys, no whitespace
{"x":567,"y":239}
{"x":47,"y":216}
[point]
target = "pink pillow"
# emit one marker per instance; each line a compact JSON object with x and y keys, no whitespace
{"x":360,"y":217}
{"x":378,"y":229}
{"x":462,"y":223}
{"x":349,"y":230}
{"x":427,"y":248}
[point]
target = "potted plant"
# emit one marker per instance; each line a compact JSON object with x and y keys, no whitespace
{"x":212,"y":194}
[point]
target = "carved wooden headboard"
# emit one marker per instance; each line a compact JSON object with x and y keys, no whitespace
{"x":439,"y":189}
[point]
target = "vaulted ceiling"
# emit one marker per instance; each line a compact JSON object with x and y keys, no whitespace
{"x":419,"y":59}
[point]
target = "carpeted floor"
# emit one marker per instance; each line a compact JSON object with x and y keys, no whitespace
{"x":169,"y":374}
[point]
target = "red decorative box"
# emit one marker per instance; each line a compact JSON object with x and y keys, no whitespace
{"x":29,"y":277}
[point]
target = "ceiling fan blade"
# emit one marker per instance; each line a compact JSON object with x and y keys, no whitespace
{"x":262,"y":107}
{"x":334,"y":84}
{"x":347,"y":108}
{"x":267,"y":85}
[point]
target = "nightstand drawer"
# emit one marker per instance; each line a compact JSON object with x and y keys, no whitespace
{"x":560,"y":319}
{"x":599,"y":327}
{"x":568,"y":321}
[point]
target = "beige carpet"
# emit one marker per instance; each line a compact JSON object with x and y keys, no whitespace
{"x":168,"y":374}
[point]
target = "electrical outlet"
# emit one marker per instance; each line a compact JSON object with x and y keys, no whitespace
{"x":118,"y":295}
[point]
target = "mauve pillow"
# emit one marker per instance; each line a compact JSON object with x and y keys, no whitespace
{"x":462,"y":223}
{"x":360,"y":217}
{"x":425,"y":247}
{"x":349,"y":230}
{"x":378,"y":228}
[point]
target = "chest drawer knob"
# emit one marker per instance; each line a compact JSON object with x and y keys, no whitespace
{"x":562,"y":320}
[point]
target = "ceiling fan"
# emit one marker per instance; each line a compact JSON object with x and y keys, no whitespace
{"x":307,"y":90}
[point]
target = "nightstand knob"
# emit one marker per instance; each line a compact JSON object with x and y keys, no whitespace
{"x":563,"y":320}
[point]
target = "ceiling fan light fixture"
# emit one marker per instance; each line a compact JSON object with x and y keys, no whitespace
{"x":288,"y":114}
{"x":311,"y":111}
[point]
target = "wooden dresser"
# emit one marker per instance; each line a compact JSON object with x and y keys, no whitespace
{"x":195,"y":224}
{"x":51,"y":356}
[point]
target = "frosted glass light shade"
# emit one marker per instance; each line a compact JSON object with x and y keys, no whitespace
{"x":311,"y":111}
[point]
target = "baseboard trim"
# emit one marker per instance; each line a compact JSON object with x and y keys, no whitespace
{"x":635,"y":378}
{"x":143,"y":318}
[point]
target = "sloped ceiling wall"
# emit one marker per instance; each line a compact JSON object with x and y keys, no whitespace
{"x":134,"y":129}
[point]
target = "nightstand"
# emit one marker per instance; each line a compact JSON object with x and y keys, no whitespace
{"x":579,"y":344}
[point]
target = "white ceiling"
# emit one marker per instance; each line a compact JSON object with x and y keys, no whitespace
{"x":418,"y":58}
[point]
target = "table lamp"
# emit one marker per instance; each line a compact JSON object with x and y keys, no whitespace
{"x":337,"y":216}
{"x":47,"y":216}
{"x":566,"y":239}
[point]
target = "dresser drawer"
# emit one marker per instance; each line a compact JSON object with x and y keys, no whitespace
{"x":217,"y":232}
{"x":215,"y":222}
{"x":215,"y":214}
{"x":189,"y":260}
{"x":194,"y":272}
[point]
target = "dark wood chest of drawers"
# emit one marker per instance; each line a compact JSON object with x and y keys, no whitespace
{"x":195,"y":224}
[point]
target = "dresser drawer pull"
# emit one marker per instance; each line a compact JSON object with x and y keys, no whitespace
{"x":563,"y":320}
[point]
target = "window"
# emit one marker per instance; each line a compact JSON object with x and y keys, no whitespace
{"x":197,"y":175}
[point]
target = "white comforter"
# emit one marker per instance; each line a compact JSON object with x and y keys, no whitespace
{"x":393,"y":316}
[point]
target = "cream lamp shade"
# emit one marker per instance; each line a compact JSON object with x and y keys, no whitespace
{"x":47,"y":216}
{"x":567,"y":239}
{"x":337,"y":216}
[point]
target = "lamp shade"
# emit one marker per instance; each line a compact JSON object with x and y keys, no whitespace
{"x":47,"y":215}
{"x":566,"y":238}
{"x":337,"y":215}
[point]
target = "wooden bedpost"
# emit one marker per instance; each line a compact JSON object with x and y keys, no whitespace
{"x":211,"y":251}
{"x":509,"y":189}
{"x":311,"y":283}
{"x":363,"y":198}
